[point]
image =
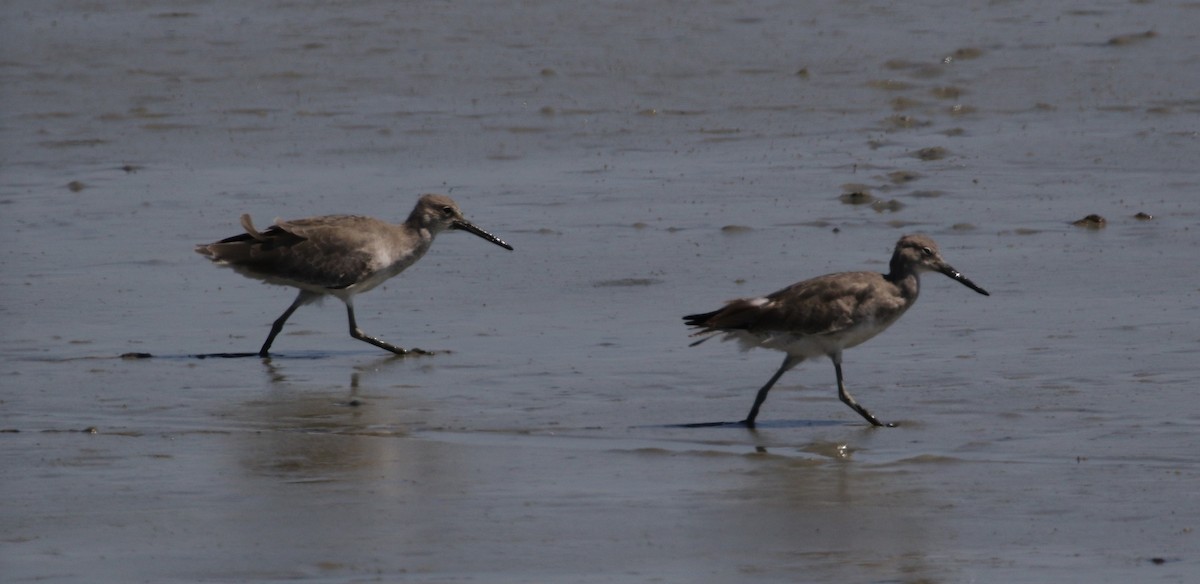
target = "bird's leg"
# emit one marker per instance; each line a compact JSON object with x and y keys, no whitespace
{"x":788,"y":363}
{"x":358,"y":334}
{"x":304,"y":297}
{"x":848,"y":400}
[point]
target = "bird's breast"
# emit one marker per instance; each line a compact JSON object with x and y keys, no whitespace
{"x":388,"y":260}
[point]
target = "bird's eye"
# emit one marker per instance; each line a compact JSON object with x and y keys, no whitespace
{"x":448,"y":211}
{"x":928,"y":252}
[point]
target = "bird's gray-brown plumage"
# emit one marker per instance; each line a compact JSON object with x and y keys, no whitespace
{"x":338,"y":255}
{"x":824,"y":315}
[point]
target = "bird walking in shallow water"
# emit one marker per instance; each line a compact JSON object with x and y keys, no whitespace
{"x":827,"y":314}
{"x":338,"y":255}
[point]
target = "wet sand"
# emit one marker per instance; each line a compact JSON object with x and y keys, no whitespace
{"x":646,"y":162}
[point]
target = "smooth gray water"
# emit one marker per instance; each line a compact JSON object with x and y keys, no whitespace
{"x":647,"y":160}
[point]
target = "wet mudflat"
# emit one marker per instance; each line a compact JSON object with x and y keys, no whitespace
{"x":646,"y":162}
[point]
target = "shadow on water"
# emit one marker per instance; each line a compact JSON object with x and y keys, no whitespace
{"x":773,"y":424}
{"x":138,"y":356}
{"x":306,"y":356}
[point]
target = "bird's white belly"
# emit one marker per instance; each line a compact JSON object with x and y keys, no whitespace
{"x":385,"y":266}
{"x":376,"y":278}
{"x":809,"y":346}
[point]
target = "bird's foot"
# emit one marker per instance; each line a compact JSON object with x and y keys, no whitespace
{"x":402,"y":352}
{"x":875,"y":423}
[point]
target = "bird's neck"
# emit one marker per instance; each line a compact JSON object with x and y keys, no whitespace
{"x":907,"y":281}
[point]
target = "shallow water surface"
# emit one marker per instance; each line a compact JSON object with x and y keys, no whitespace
{"x":646,"y":162}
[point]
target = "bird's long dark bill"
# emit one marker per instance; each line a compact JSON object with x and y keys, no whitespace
{"x":469,"y":228}
{"x":953,"y":273}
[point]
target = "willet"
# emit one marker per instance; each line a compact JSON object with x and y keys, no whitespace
{"x":338,"y":255}
{"x":825,"y":315}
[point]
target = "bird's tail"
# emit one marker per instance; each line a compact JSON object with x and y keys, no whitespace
{"x":701,"y":321}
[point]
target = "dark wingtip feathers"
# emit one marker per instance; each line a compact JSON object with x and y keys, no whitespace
{"x":702,"y":322}
{"x":699,"y":320}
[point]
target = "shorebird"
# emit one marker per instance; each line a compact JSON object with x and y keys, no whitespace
{"x":338,"y":255}
{"x":827,"y":314}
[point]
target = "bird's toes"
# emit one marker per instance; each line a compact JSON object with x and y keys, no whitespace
{"x":412,"y":352}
